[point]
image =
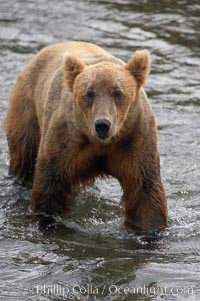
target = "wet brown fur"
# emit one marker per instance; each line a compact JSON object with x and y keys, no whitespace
{"x":50,"y":131}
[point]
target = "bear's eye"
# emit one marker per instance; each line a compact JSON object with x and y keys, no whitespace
{"x":89,"y":96}
{"x":118,"y":95}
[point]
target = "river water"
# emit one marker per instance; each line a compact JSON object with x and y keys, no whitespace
{"x":90,"y":255}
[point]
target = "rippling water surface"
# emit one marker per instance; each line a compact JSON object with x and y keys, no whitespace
{"x":90,"y":255}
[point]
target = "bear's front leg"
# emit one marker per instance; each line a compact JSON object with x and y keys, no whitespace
{"x":145,"y":205}
{"x":144,"y":200}
{"x":145,"y":211}
{"x":51,"y":191}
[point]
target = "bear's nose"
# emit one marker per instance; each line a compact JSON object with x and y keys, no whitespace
{"x":102,"y":127}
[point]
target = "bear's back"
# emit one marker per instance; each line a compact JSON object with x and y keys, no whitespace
{"x":52,"y":57}
{"x":48,"y":65}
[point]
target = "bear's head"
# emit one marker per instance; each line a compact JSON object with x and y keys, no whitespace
{"x":103,"y":93}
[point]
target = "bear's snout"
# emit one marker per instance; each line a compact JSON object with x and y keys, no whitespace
{"x":102,"y":127}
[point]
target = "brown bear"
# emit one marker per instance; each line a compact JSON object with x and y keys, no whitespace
{"x":77,"y":113}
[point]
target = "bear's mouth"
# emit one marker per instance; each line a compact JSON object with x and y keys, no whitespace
{"x":106,"y":140}
{"x":102,"y":137}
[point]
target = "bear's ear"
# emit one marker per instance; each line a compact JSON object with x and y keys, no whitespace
{"x":139,"y":66}
{"x":73,"y":67}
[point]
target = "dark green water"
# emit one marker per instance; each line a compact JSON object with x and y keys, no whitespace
{"x":91,"y":256}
